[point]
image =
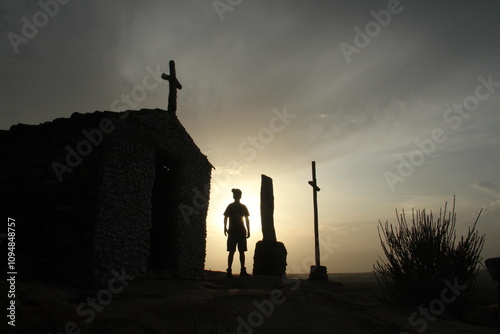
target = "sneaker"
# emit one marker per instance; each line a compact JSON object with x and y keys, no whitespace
{"x":244,"y":272}
{"x":229,"y":273}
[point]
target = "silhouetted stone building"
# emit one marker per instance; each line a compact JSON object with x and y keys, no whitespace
{"x":106,"y":191}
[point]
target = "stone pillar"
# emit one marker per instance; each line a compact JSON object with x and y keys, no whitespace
{"x":270,"y":255}
{"x":267,"y":209}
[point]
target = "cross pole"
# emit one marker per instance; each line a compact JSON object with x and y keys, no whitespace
{"x":315,"y":203}
{"x":174,"y":84}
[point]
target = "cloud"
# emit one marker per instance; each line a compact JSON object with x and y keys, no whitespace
{"x":487,"y":187}
{"x":230,"y":169}
{"x":494,"y":205}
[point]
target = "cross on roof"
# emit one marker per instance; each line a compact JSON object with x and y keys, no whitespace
{"x":174,"y":84}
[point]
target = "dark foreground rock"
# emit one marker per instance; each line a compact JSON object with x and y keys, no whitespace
{"x":255,"y":304}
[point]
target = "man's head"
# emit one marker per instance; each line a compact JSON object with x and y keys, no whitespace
{"x":236,"y":193}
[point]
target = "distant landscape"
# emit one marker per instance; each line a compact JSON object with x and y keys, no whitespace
{"x":484,"y":292}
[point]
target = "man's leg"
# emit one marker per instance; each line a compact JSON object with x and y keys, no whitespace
{"x":230,"y":257}
{"x":243,"y":271}
{"x":242,"y":259}
{"x":230,"y":260}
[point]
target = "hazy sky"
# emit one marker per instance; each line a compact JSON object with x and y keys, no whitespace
{"x":397,"y":102}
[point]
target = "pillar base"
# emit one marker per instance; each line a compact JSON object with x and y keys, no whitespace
{"x":270,"y":258}
{"x":318,"y":274}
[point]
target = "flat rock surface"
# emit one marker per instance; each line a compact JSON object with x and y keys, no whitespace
{"x":255,"y":304}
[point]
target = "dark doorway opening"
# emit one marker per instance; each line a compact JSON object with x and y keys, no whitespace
{"x":162,"y":252}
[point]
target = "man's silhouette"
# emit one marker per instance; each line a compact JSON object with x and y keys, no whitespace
{"x":236,"y":233}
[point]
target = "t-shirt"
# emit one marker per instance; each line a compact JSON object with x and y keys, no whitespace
{"x":236,"y":212}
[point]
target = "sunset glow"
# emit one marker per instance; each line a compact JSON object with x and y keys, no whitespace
{"x":407,"y":120}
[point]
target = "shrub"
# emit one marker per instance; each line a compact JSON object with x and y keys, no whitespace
{"x":421,"y":256}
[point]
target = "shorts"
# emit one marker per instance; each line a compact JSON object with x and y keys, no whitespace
{"x":237,"y":238}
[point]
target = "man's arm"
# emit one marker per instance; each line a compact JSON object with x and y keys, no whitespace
{"x":225,"y":224}
{"x":247,"y":220}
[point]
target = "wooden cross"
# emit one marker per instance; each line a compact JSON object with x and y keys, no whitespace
{"x":315,"y":203}
{"x":174,"y":84}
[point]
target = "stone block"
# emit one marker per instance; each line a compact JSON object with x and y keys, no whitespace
{"x":318,"y":274}
{"x":270,"y":258}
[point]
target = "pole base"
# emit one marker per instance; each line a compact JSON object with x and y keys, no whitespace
{"x":318,"y":274}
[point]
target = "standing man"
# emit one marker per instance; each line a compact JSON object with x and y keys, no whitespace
{"x":236,"y":233}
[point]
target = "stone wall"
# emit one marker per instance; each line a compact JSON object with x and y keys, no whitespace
{"x":49,"y":213}
{"x":98,"y":218}
{"x":134,"y":144}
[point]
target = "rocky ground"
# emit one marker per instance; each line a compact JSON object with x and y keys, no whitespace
{"x":256,"y":304}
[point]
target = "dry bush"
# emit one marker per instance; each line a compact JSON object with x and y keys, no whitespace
{"x":423,"y":254}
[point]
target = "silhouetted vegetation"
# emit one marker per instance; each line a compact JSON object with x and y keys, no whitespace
{"x":423,"y":254}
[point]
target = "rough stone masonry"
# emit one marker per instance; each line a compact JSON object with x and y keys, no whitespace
{"x":94,"y":212}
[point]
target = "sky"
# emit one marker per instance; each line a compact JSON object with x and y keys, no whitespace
{"x":396,"y":101}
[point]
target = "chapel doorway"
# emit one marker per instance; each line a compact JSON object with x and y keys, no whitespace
{"x":164,"y":201}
